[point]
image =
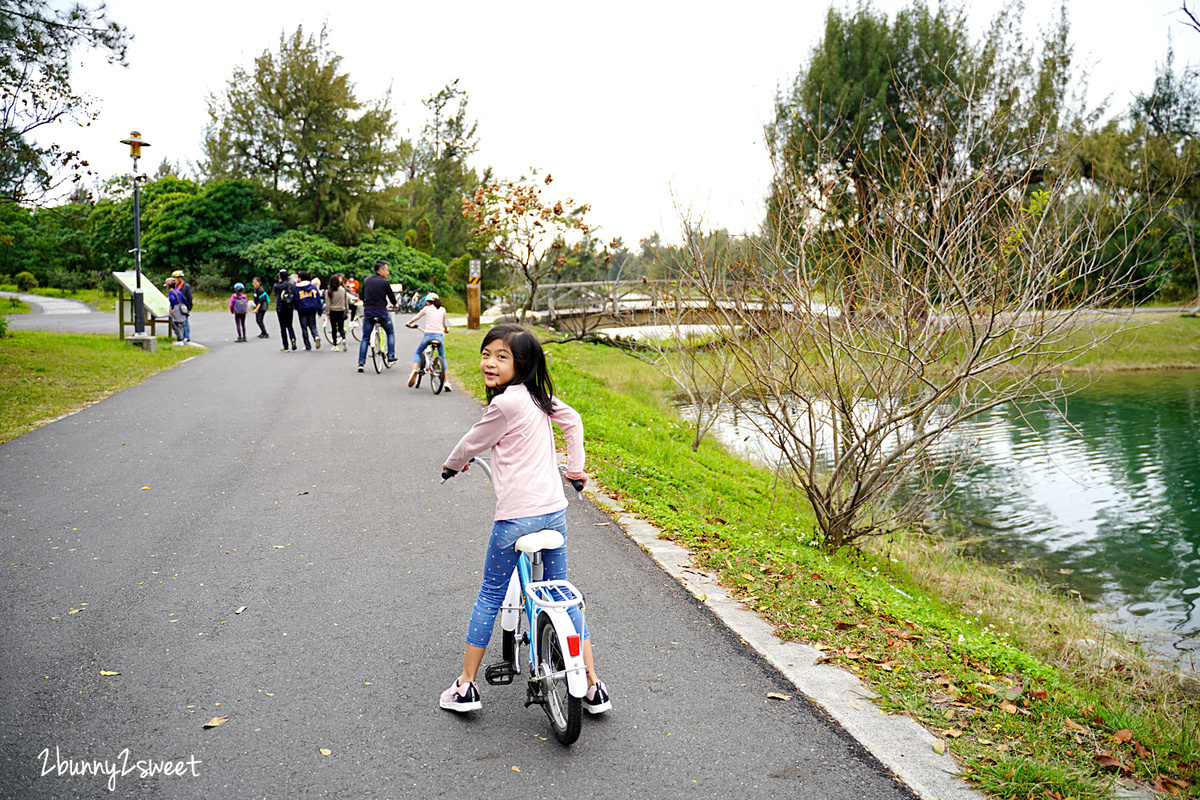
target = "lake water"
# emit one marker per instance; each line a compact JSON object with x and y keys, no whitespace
{"x":1103,"y":500}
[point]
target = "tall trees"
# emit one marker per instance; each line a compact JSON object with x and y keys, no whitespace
{"x":295,"y":126}
{"x":874,"y":90}
{"x":36,"y":46}
{"x":438,"y":175}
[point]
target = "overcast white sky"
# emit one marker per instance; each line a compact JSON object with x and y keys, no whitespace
{"x":637,"y":107}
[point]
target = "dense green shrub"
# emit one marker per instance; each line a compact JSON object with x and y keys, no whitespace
{"x":25,"y":281}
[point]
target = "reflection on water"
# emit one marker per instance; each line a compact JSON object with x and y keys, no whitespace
{"x":1104,"y":499}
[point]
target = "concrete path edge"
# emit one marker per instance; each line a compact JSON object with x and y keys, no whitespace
{"x":901,"y":744}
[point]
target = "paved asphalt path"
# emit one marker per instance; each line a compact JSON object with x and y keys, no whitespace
{"x":262,"y":536}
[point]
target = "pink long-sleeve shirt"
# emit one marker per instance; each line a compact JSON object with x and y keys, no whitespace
{"x":524,"y":463}
{"x":435,"y":319}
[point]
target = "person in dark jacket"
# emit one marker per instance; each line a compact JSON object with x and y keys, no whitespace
{"x":308,"y":306}
{"x":378,"y":300}
{"x":285,"y":292}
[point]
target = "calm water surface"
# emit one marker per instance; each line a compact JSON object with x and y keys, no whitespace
{"x":1104,"y":499}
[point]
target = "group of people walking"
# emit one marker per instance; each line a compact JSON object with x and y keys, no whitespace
{"x":300,"y":296}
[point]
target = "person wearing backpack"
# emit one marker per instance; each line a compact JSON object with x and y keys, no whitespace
{"x":178,"y":306}
{"x":239,"y":304}
{"x":284,"y":297}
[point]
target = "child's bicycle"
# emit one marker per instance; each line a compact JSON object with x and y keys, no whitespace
{"x":432,"y":365}
{"x":557,"y":675}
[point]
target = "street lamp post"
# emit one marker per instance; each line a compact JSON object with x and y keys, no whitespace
{"x":139,"y":307}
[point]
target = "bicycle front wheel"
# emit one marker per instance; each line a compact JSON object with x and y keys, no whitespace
{"x":437,"y":374}
{"x":356,"y":329}
{"x":565,"y":712}
{"x":327,"y":329}
{"x":421,"y":370}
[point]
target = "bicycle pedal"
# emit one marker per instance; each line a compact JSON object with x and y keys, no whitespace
{"x":500,"y":674}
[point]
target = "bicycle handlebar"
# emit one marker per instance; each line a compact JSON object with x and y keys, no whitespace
{"x":576,"y":483}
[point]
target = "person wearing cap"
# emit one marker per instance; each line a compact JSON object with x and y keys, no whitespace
{"x":435,"y":332}
{"x":178,"y":304}
{"x":239,"y":303}
{"x":184,"y":289}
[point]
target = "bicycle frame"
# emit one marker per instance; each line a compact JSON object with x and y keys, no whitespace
{"x":551,"y":598}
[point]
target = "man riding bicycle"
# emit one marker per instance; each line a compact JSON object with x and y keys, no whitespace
{"x":378,"y":298}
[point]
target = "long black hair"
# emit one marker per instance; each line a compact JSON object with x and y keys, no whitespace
{"x":529,"y":363}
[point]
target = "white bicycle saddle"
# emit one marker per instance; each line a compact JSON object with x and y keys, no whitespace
{"x":540,"y":540}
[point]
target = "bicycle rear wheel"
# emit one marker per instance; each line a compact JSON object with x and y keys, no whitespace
{"x":378,"y":353}
{"x":356,"y":328}
{"x":437,"y":374}
{"x":565,"y":712}
{"x":327,"y":329}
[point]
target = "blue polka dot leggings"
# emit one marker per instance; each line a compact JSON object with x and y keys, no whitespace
{"x":498,"y":566}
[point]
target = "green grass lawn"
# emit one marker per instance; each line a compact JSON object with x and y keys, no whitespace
{"x":46,"y":375}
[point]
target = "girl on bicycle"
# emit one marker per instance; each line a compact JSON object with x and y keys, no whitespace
{"x":435,"y":331}
{"x":529,"y":491}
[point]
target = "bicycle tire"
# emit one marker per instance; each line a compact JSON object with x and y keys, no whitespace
{"x":565,"y":712}
{"x":356,"y":329}
{"x":420,"y":371}
{"x":378,"y":356}
{"x":327,"y":329}
{"x":437,"y":374}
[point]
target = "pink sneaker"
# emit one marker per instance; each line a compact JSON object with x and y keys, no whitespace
{"x":596,"y":701}
{"x":461,"y":698}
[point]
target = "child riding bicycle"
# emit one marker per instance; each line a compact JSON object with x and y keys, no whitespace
{"x":529,"y":493}
{"x":435,"y":332}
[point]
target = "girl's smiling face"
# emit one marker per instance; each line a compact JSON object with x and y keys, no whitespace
{"x":497,"y":365}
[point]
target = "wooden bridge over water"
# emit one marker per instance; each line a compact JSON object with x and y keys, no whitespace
{"x":596,"y":305}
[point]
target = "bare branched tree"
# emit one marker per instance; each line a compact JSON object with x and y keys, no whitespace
{"x":685,"y":346}
{"x":969,"y":290}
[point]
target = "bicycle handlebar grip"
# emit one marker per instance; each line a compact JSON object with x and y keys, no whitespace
{"x":576,"y":483}
{"x":447,"y":474}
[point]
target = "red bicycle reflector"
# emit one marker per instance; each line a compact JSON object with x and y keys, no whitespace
{"x":573,"y":645}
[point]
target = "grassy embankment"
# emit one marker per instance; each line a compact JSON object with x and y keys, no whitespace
{"x":45,"y":375}
{"x":984,"y":658}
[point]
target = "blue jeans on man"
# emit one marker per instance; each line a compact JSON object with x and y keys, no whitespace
{"x":369,"y":323}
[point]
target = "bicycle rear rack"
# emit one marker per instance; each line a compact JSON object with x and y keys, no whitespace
{"x":555,"y":594}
